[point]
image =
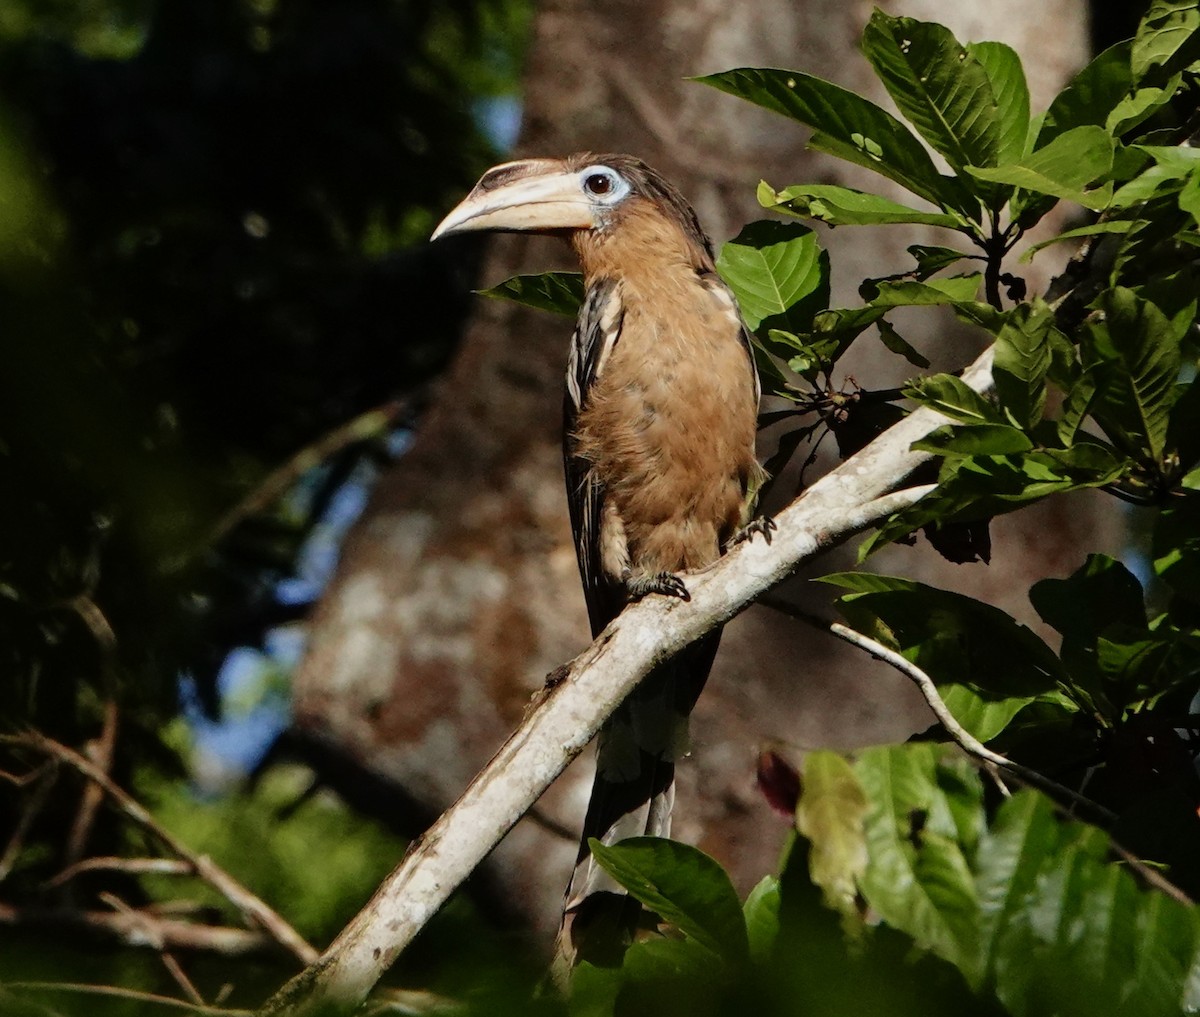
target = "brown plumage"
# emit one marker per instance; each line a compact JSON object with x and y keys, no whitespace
{"x":660,"y":414}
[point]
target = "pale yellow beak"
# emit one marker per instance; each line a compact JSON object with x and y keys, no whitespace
{"x":537,"y":194}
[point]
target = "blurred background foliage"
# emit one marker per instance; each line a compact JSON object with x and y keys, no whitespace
{"x":211,"y":219}
{"x":212,"y":254}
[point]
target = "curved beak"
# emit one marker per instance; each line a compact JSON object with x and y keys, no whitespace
{"x":532,"y":195}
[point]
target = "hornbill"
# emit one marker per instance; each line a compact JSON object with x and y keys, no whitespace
{"x":660,"y":418}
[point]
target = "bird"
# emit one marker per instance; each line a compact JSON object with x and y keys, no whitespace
{"x":660,"y":419}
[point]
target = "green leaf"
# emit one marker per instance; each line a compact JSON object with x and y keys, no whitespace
{"x":830,"y":814}
{"x":832,"y":333}
{"x":778,"y":273}
{"x":1167,"y":38}
{"x":1138,"y":666}
{"x":918,"y":877}
{"x":954,"y":289}
{"x":1101,"y":594}
{"x":1173,"y":167}
{"x":1062,"y":168}
{"x":1022,"y":360}
{"x":1189,"y":197}
{"x":1139,"y":348}
{"x":844,"y":206}
{"x":848,"y":126}
{"x":1091,"y":230}
{"x":1091,"y":95}
{"x":559,"y":292}
{"x":956,"y":399}
{"x":895,"y":342}
{"x":1065,"y":931}
{"x":1007,"y":78}
{"x":1140,"y":105}
{"x":932,"y":259}
{"x":984,"y":718}
{"x":682,"y":885}
{"x":938,"y":85}
{"x":975,"y":440}
{"x":978,"y":487}
{"x":1079,"y":402}
{"x":952,"y":638}
{"x":1176,"y":547}
{"x":761,"y":912}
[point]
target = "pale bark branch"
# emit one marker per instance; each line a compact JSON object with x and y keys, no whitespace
{"x":582,"y":695}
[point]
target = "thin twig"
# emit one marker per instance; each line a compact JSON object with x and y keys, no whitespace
{"x":175,"y":970}
{"x":142,"y":929}
{"x":113,"y":863}
{"x":1150,"y":875}
{"x":366,"y":425}
{"x":239,"y":896}
{"x":134,"y":994}
{"x":100,"y":751}
{"x":150,"y":929}
{"x":44,"y":778}
{"x":967,"y":741}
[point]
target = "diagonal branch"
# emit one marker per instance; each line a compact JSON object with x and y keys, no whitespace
{"x":581,"y":695}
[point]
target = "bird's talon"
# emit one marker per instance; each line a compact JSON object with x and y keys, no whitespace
{"x":762,"y":526}
{"x":666,"y":584}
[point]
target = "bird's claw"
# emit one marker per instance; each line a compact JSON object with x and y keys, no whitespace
{"x":665,"y":583}
{"x":762,"y":526}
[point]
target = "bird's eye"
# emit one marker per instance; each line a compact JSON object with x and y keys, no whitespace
{"x":598,"y":183}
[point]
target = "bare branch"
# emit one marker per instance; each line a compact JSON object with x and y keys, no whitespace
{"x":239,"y":896}
{"x":113,"y":863}
{"x":572,"y":708}
{"x":965,"y":740}
{"x":100,"y":751}
{"x":365,"y":425}
{"x":142,"y":929}
{"x":175,"y":969}
{"x":43,"y":779}
{"x":133,"y":994}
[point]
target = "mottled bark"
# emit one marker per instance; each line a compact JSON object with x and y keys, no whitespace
{"x":458,"y":591}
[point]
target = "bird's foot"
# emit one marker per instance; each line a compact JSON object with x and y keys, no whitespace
{"x":763,"y":526}
{"x":639,"y":585}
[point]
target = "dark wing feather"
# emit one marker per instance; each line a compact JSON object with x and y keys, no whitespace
{"x":596,"y":333}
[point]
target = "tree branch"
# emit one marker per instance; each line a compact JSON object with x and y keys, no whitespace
{"x":142,"y":929}
{"x":581,"y":695}
{"x":116,"y":992}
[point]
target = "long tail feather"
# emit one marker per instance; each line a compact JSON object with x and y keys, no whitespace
{"x":632,"y":796}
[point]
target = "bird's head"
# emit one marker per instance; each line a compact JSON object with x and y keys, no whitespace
{"x":584,"y":192}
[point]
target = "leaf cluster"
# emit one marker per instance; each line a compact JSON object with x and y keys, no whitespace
{"x":1022,"y":911}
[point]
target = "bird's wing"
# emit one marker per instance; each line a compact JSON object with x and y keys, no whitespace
{"x":596,"y":333}
{"x":717,"y":285}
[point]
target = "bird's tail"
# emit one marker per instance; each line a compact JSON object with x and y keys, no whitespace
{"x":632,"y":796}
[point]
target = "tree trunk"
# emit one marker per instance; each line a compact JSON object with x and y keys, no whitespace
{"x":458,"y":592}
